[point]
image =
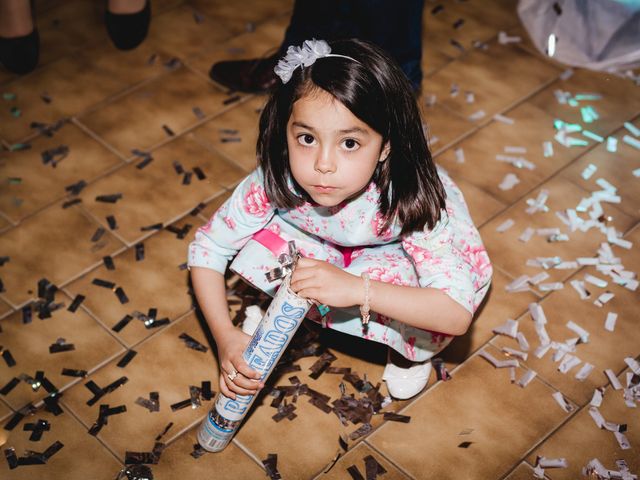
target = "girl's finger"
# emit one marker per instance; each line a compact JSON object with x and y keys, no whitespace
{"x":306,"y":262}
{"x":246,"y":370}
{"x":301,"y":284}
{"x":225,"y":390}
{"x":310,"y":294}
{"x":239,"y":390}
{"x":247,"y":383}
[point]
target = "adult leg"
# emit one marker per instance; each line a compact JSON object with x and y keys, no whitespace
{"x":19,"y":39}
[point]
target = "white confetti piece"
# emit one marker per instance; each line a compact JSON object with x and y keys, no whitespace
{"x":469,"y":97}
{"x":578,"y":286}
{"x":459,"y":155}
{"x":549,"y":287}
{"x":563,"y":402}
{"x":509,"y":181}
{"x":509,"y":328}
{"x":498,"y":363}
{"x":569,"y":265}
{"x":631,"y":141}
{"x":543,"y":336}
{"x":610,"y":322}
{"x":633,"y":365}
{"x":623,"y":441}
{"x":522,"y":341}
{"x":635,"y":131}
{"x":506,"y":225}
{"x":542,"y":350}
{"x":567,"y":74}
{"x":503,"y":119}
{"x":519,"y":284}
{"x":477,"y":115}
{"x":603,"y":299}
{"x":584,"y":372}
{"x":537,"y":313}
{"x":504,"y":38}
{"x":526,"y":235}
{"x":552,"y":462}
{"x":541,"y":277}
{"x":526,"y":378}
{"x":515,"y":353}
{"x":568,"y":362}
{"x":598,"y":282}
{"x":613,"y":380}
{"x":596,"y":399}
{"x":538,"y":204}
{"x":514,"y":149}
{"x":588,"y":172}
{"x":612,"y":144}
{"x":547,"y":149}
{"x":581,"y":332}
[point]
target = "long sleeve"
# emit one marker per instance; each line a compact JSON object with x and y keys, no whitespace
{"x":451,"y":256}
{"x":246,"y":212}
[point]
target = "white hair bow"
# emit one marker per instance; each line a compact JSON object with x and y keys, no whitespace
{"x":306,"y":55}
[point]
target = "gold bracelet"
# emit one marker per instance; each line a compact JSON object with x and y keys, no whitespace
{"x":364,"y":309}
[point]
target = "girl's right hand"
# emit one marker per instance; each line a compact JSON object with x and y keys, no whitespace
{"x":230,"y":348}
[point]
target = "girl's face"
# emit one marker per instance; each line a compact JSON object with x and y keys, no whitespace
{"x":332,"y":153}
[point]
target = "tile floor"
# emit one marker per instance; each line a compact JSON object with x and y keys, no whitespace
{"x":478,"y":425}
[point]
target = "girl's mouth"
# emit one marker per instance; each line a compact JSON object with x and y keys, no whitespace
{"x":323,"y":188}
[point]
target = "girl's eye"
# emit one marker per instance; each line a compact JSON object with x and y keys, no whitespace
{"x":306,"y":139}
{"x":351,"y":144}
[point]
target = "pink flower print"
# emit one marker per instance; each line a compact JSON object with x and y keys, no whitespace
{"x":356,"y":252}
{"x":476,"y":256}
{"x":383,"y":275}
{"x":419,"y":254}
{"x":275,"y":228}
{"x":409,"y":348}
{"x":376,"y":226}
{"x":382,"y":319}
{"x":231,"y":223}
{"x":304,"y":208}
{"x":438,"y":339}
{"x":256,"y":202}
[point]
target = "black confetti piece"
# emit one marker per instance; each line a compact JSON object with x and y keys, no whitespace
{"x":205,"y":390}
{"x":355,"y":473}
{"x":180,"y":405}
{"x":111,"y":198}
{"x":440,"y":369}
{"x":140,"y":458}
{"x":76,"y":188}
{"x":172,"y":63}
{"x":121,"y":295}
{"x":183,"y":266}
{"x":155,"y":226}
{"x":12,"y":458}
{"x":157,"y":323}
{"x":230,"y":100}
{"x":43,"y":283}
{"x":70,"y":203}
{"x":197,"y":111}
{"x":98,"y":392}
{"x":55,"y":155}
{"x":199,"y":173}
{"x":45,"y":97}
{"x":152,"y":404}
{"x":465,"y":445}
{"x":14,"y":421}
{"x":61,"y":346}
{"x":152,"y":59}
{"x":111,"y":220}
{"x":76,"y":303}
{"x":2,"y":289}
{"x":146,"y":161}
{"x":98,"y":234}
{"x":198,"y":208}
{"x":166,"y":429}
{"x":108,"y":262}
{"x":69,"y":372}
{"x":458,"y":23}
{"x":456,"y":44}
{"x":557,"y":8}
{"x":192,"y":343}
{"x":168,"y":131}
{"x":103,"y":283}
{"x":124,"y":361}
{"x":11,"y":384}
{"x":51,"y":404}
{"x":36,"y":429}
{"x":139,"y":251}
{"x":186,"y":179}
{"x":177,"y":166}
{"x":321,"y":365}
{"x":122,"y":323}
{"x":198,"y":451}
{"x":135,"y":472}
{"x":435,"y":10}
{"x":8,"y":358}
{"x":228,"y":131}
{"x":363,"y":430}
{"x":271,"y":466}
{"x":396,"y":417}
{"x":4,"y":260}
{"x":231,"y":140}
{"x":373,"y":468}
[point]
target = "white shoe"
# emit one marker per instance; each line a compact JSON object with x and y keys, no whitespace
{"x":404,"y":383}
{"x":253,"y":316}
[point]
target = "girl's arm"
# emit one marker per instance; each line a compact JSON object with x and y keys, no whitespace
{"x":210,"y":291}
{"x":421,"y":307}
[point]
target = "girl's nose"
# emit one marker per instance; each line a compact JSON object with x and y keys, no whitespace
{"x":324,"y":162}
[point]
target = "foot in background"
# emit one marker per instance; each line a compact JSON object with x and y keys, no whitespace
{"x":19,"y":39}
{"x":127,"y":22}
{"x":248,"y":76}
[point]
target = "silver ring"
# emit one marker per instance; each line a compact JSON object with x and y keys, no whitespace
{"x":232,"y":375}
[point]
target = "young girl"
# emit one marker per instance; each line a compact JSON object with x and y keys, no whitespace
{"x":344,"y":170}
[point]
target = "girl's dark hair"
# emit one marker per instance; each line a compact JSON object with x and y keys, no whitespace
{"x":376,"y":91}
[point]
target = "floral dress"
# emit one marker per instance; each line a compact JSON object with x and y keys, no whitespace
{"x":450,"y":257}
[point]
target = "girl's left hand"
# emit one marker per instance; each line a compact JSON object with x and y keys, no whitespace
{"x":326,"y":284}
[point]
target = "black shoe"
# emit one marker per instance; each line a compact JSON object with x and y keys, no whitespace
{"x":128,"y":30}
{"x":20,"y":54}
{"x":249,"y":76}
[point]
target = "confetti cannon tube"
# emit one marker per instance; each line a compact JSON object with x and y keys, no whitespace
{"x":275,"y":331}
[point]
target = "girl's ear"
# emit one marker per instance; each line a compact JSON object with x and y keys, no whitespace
{"x":385,"y":152}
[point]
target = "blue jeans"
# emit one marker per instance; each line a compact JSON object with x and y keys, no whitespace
{"x":395,"y":26}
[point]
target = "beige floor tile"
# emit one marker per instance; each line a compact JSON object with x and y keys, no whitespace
{"x":68,"y":233}
{"x":156,"y":193}
{"x":42,"y":184}
{"x":532,"y":127}
{"x":356,"y":457}
{"x":580,"y":440}
{"x":5,"y":308}
{"x":197,"y":33}
{"x":522,"y":472}
{"x":154,"y":282}
{"x":232,"y":463}
{"x":5,"y":411}
{"x":237,"y":20}
{"x":161,"y":6}
{"x":506,"y":420}
{"x":443,"y":127}
{"x":163,"y":364}
{"x":431,"y":62}
{"x":511,"y":254}
{"x":81,"y":456}
{"x":5,"y":224}
{"x":440,"y":35}
{"x":501,"y":16}
{"x":482,"y":206}
{"x":483,"y":73}
{"x":213,"y":206}
{"x":616,"y":168}
{"x":29,"y":345}
{"x":75,"y":83}
{"x":498,"y":307}
{"x":295,"y":460}
{"x":265,"y":40}
{"x":613,"y":109}
{"x":242,"y":119}
{"x":148,"y":108}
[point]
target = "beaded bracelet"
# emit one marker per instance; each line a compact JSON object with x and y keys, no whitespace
{"x":364,"y":309}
